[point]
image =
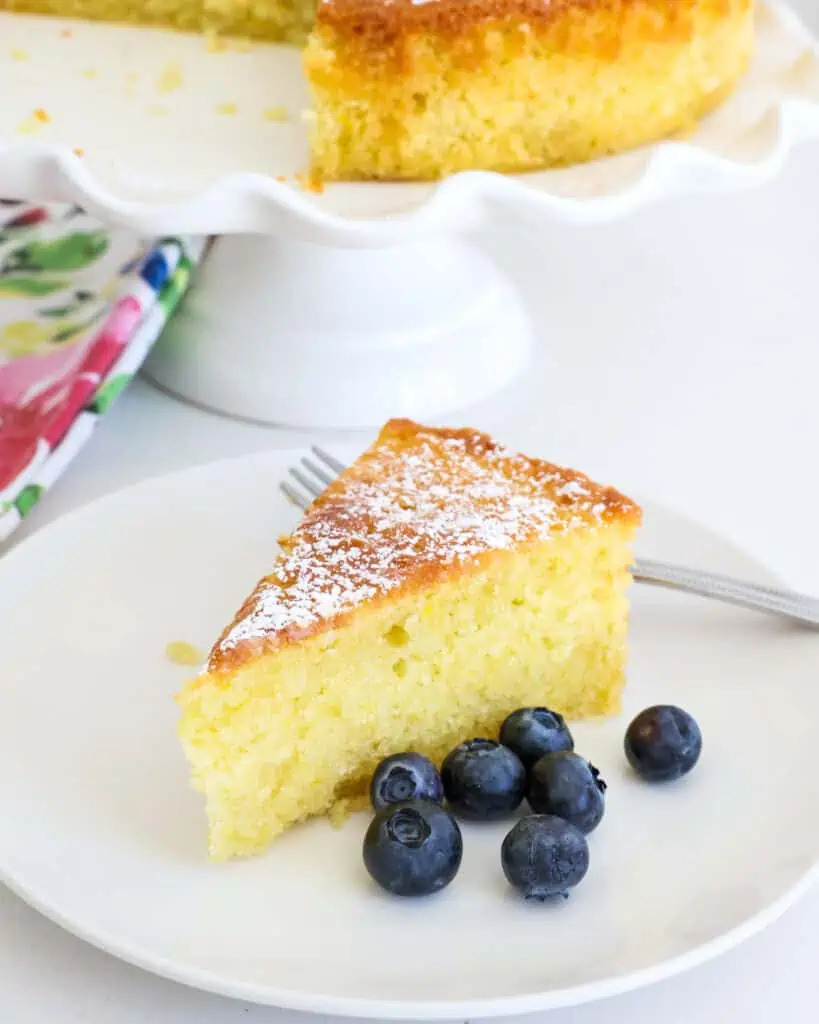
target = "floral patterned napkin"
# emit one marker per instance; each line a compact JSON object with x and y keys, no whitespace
{"x":80,"y":308}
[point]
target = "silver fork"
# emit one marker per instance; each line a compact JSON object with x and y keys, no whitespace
{"x":315,"y":476}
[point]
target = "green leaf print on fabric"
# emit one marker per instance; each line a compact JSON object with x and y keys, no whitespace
{"x":109,"y":393}
{"x":57,"y":312}
{"x":28,"y":498}
{"x":16,"y":287}
{"x":74,"y":252}
{"x":177,"y":286}
{"x":67,"y":332}
{"x":78,"y":300}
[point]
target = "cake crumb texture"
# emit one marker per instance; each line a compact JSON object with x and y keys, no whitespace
{"x":440,"y":583}
{"x":404,"y":90}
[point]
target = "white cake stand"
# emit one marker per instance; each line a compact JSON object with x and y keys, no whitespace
{"x":342,"y":308}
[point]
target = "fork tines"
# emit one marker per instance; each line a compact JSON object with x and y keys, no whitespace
{"x":313,"y":478}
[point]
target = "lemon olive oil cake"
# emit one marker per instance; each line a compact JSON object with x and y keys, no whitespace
{"x":423,"y":88}
{"x":418,"y":89}
{"x":441,"y":582}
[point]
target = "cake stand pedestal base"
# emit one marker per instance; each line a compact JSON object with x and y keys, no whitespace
{"x":291,"y":333}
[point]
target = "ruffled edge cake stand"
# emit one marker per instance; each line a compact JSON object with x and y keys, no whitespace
{"x":340,"y":308}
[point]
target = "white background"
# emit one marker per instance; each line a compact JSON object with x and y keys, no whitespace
{"x":679,"y":358}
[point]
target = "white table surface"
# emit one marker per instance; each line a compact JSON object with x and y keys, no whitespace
{"x":679,"y":358}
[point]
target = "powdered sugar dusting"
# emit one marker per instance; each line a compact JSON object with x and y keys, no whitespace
{"x":434,"y":499}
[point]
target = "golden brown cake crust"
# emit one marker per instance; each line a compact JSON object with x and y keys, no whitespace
{"x":419,"y":506}
{"x":381,"y":23}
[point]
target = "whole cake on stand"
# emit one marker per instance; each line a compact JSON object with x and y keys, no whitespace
{"x":413,"y":90}
{"x":346,"y":304}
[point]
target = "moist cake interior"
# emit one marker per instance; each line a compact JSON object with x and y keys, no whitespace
{"x":440,"y":583}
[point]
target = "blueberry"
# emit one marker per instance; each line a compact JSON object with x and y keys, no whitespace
{"x":413,"y":849}
{"x":566,"y":785}
{"x":663,"y":743}
{"x":403,"y":777}
{"x":533,"y":732}
{"x":483,"y":780}
{"x":544,"y":856}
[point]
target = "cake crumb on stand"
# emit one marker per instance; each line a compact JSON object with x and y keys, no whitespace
{"x":36,"y":120}
{"x":170,"y":78}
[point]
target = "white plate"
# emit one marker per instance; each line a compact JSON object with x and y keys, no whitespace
{"x":101,"y":832}
{"x":146,"y":107}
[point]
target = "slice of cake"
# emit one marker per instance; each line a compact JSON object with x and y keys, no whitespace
{"x":440,"y":583}
{"x":415,"y":89}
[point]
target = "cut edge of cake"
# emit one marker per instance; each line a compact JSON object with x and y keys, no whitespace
{"x":408,"y":90}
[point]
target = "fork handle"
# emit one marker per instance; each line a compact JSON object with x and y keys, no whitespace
{"x":787,"y":603}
